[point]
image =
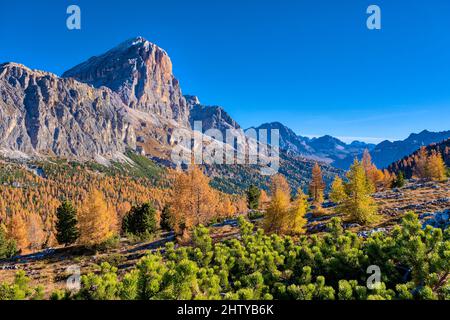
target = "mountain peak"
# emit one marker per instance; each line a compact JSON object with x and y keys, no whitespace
{"x":140,"y":72}
{"x":137,"y":42}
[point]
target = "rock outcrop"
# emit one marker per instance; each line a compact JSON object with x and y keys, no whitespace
{"x":42,"y":114}
{"x":141,"y":74}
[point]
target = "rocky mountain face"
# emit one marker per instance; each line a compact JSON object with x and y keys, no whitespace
{"x":212,"y":117}
{"x":42,"y":114}
{"x":127,"y":98}
{"x":289,"y":141}
{"x":388,"y":152}
{"x":141,"y":74}
{"x":407,"y":164}
{"x":326,"y":149}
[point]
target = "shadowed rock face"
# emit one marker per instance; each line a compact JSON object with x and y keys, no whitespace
{"x":212,"y":117}
{"x":141,"y":74}
{"x":41,"y":114}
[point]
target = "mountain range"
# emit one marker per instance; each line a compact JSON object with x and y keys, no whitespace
{"x":387,"y":152}
{"x":407,"y":163}
{"x":129,"y":99}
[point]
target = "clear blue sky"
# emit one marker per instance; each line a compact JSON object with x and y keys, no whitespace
{"x":310,"y":64}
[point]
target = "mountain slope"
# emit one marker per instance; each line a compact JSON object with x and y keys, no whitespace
{"x":41,"y":114}
{"x":141,"y":74}
{"x":407,"y":164}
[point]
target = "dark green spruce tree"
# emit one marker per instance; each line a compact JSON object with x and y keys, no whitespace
{"x":165,"y":219}
{"x":67,"y":231}
{"x":140,"y":221}
{"x":253,"y":196}
{"x":400,"y":180}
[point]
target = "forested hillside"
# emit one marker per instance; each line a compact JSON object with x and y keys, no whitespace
{"x":407,"y":164}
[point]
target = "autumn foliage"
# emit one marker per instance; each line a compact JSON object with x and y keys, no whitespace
{"x":97,"y":221}
{"x":284,"y":216}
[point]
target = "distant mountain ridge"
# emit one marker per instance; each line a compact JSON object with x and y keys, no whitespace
{"x":326,"y":149}
{"x":212,"y":117}
{"x":388,"y":152}
{"x":406,"y":164}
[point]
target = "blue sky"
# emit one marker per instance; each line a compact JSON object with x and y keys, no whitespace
{"x":310,"y":64}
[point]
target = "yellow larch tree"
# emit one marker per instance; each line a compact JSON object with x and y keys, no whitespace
{"x":374,"y":175}
{"x":36,"y":235}
{"x":277,"y":212}
{"x":436,"y":169}
{"x":17,"y":230}
{"x":358,"y":205}
{"x":94,"y":220}
{"x":317,"y":186}
{"x":296,"y":217}
{"x":263,"y":200}
{"x":193,"y":201}
{"x":420,"y":164}
{"x":337,"y":193}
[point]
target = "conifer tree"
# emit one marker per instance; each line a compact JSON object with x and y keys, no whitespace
{"x":399,"y":182}
{"x":337,"y":194}
{"x":388,"y":179}
{"x":94,"y":220}
{"x":317,"y":186}
{"x":193,"y":201}
{"x":253,"y":197}
{"x":140,"y":221}
{"x":435,"y":168}
{"x":7,"y":246}
{"x":296,"y":220}
{"x":263,"y":200}
{"x":67,"y":231}
{"x":164,"y":222}
{"x":36,"y":235}
{"x":359,"y":205}
{"x":374,"y":175}
{"x":19,"y":233}
{"x":277,"y":212}
{"x":420,"y":164}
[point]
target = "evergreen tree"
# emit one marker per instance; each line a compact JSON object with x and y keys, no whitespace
{"x":164,"y":223}
{"x":7,"y":246}
{"x":67,"y":231}
{"x":140,"y":220}
{"x":253,"y":197}
{"x":399,"y":182}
